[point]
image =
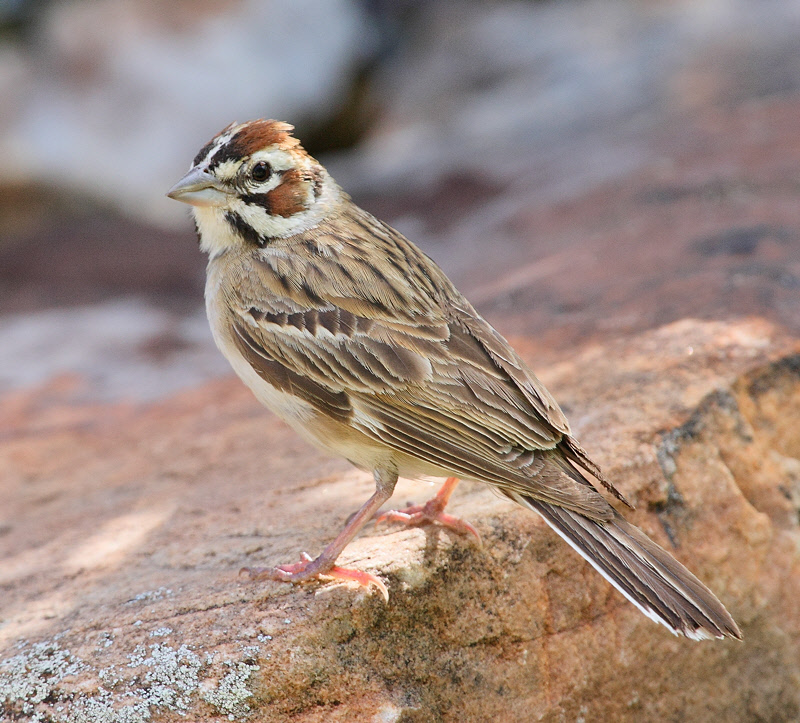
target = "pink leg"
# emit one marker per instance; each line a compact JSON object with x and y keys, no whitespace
{"x":432,"y":511}
{"x":309,"y":569}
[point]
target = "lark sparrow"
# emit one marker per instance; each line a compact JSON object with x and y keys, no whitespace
{"x":360,"y":342}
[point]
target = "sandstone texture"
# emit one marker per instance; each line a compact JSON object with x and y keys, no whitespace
{"x":125,"y":527}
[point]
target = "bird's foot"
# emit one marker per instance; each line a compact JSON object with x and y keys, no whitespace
{"x":310,"y":569}
{"x":432,"y":512}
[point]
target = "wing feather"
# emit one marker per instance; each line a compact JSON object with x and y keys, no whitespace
{"x":410,"y":364}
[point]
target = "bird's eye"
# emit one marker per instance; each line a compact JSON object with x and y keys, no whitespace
{"x":261,"y":171}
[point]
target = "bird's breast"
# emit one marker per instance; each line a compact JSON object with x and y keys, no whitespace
{"x":221,"y":320}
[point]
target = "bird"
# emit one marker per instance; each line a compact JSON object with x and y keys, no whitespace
{"x":360,"y":342}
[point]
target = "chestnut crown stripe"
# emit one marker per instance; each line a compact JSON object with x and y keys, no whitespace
{"x":249,"y":139}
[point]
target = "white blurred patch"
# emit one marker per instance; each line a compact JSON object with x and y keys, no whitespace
{"x":124,"y":349}
{"x":117,"y":96}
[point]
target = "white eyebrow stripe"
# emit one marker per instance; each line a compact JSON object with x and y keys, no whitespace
{"x":278,"y":159}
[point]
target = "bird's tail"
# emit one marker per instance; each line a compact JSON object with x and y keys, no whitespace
{"x":653,"y":580}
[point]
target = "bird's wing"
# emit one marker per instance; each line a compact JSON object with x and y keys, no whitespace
{"x":433,"y":382}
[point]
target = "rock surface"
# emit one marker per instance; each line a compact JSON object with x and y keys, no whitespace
{"x":126,"y":526}
{"x":644,"y":258}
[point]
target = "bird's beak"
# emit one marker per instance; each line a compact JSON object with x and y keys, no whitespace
{"x":199,"y":188}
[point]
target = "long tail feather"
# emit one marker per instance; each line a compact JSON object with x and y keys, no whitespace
{"x":647,"y":575}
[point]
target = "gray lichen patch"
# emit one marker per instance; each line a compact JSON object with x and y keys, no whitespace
{"x":45,"y":683}
{"x":33,"y":676}
{"x":151,"y":595}
{"x":171,"y":675}
{"x":230,"y":694}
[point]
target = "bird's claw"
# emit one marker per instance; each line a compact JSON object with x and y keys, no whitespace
{"x":428,"y":514}
{"x":306,"y":571}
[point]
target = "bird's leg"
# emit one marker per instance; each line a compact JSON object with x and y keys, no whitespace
{"x":432,"y":511}
{"x":309,"y":569}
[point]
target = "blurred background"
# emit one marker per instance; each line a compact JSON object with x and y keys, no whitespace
{"x":581,"y":168}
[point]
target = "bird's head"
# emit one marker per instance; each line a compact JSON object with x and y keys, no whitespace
{"x":253,"y":182}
